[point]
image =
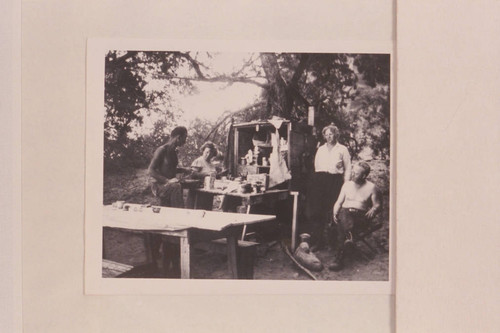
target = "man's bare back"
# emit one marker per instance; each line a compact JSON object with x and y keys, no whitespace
{"x":164,"y":163}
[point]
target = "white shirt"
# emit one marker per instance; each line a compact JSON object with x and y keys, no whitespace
{"x":335,"y":160}
{"x":206,"y":167}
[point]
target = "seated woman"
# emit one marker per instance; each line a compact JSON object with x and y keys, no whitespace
{"x":202,"y":167}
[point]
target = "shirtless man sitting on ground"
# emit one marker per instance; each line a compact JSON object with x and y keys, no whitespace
{"x":357,"y":204}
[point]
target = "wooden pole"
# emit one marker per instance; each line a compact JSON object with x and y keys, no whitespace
{"x":294,"y":218}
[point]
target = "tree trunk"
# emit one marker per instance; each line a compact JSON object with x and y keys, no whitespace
{"x":279,"y":101}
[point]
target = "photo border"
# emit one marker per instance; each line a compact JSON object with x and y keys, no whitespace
{"x":95,"y":284}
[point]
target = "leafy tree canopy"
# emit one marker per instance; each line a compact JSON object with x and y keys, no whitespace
{"x":350,"y":90}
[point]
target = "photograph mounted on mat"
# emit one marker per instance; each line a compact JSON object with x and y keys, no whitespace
{"x":215,"y":161}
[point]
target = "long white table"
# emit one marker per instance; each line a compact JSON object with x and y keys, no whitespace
{"x":187,"y":226}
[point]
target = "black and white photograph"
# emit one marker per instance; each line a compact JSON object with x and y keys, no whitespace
{"x":250,"y":166}
{"x":246,"y":165}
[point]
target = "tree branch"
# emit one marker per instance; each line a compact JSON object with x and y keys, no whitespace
{"x":298,"y":96}
{"x":194,"y":63}
{"x":223,"y":79}
{"x":232,"y":114}
{"x":247,"y":64}
{"x":220,"y":78}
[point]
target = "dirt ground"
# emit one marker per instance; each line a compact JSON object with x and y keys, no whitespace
{"x":271,"y":263}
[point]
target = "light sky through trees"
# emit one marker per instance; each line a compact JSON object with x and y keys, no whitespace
{"x":210,"y":99}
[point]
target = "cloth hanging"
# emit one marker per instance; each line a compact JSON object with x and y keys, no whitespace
{"x":276,"y":122}
{"x":278,"y":172}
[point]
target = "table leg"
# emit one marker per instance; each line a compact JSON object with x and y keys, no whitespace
{"x":148,"y":248}
{"x":244,"y":232}
{"x":294,"y":219}
{"x":232,"y":259}
{"x":162,"y":261}
{"x":185,"y":258}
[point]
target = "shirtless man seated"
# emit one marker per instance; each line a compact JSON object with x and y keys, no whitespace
{"x":357,"y":204}
{"x":163,"y":169}
{"x":168,"y":191}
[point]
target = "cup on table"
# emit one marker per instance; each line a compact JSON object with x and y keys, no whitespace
{"x":133,"y":207}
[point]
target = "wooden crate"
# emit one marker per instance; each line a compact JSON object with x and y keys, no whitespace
{"x":262,"y":178}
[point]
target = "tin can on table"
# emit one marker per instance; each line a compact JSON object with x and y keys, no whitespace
{"x":209,"y":182}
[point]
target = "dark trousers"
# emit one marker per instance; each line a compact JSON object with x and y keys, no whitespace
{"x":169,"y":195}
{"x":166,"y":255}
{"x":323,"y":191}
{"x":351,"y":221}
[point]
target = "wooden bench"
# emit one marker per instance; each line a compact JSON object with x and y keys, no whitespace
{"x":111,"y":269}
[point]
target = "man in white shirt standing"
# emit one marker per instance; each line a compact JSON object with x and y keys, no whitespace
{"x":332,"y":166}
